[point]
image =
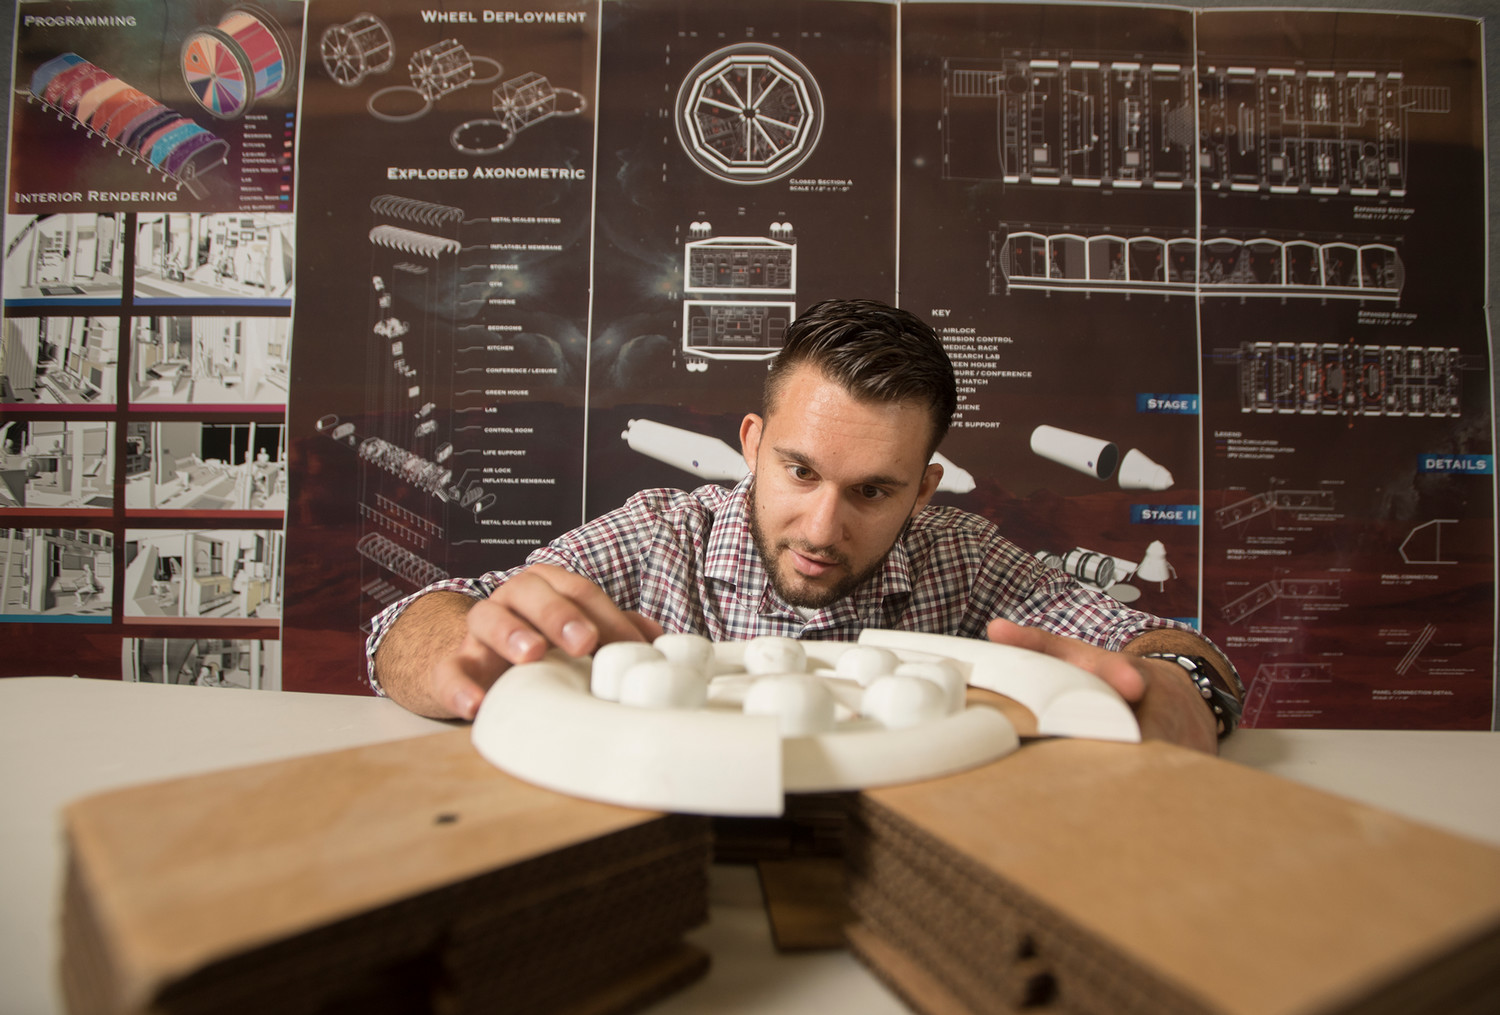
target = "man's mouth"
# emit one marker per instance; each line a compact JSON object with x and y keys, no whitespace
{"x":811,"y":565}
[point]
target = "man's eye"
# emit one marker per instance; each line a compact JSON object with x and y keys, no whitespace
{"x":871,"y":492}
{"x":800,"y":472}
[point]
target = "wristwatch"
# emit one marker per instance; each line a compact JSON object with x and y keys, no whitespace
{"x":1227,"y":707}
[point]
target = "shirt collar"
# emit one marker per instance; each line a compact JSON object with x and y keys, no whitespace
{"x":731,"y":557}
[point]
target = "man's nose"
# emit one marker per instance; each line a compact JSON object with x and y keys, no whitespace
{"x":825,"y":519}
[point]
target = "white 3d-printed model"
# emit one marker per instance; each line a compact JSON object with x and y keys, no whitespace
{"x":1066,"y":700}
{"x":692,"y":726}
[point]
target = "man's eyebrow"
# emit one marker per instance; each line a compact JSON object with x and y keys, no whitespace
{"x":791,"y":455}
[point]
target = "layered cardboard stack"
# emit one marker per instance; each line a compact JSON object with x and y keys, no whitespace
{"x":409,"y":876}
{"x":1072,"y":876}
{"x":1087,"y":877}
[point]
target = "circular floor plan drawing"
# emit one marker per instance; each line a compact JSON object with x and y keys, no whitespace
{"x":749,"y":113}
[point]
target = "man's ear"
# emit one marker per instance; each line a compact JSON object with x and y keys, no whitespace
{"x":931,"y":477}
{"x":750,"y":430}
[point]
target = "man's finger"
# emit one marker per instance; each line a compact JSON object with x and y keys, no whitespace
{"x":1115,"y":669}
{"x":545,"y":606}
{"x":496,"y":627}
{"x":459,"y":681}
{"x":1006,"y":632}
{"x":609,"y":622}
{"x":570,"y":611}
{"x":649,"y":629}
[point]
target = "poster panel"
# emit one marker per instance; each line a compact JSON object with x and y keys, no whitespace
{"x":145,"y":341}
{"x":1047,"y":206}
{"x":745,"y":174}
{"x":1349,"y":515}
{"x":436,"y":425}
{"x":307,"y":305}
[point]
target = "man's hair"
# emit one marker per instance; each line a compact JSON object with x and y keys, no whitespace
{"x":877,"y":353}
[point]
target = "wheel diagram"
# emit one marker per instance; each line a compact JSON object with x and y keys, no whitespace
{"x":353,"y":50}
{"x":749,"y":113}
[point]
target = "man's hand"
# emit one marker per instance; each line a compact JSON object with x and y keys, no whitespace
{"x":447,"y":649}
{"x":1167,"y":704}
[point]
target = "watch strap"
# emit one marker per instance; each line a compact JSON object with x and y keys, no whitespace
{"x":1227,"y":707}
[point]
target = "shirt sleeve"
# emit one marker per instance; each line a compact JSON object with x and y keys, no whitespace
{"x":380,"y":625}
{"x":1060,"y":604}
{"x":1006,"y":581}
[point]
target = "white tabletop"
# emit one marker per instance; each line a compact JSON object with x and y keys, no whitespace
{"x":62,"y":738}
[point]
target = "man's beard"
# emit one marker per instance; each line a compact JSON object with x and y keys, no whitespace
{"x":808,"y":599}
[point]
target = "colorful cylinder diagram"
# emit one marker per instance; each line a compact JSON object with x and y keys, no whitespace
{"x":129,"y":118}
{"x":244,"y":58}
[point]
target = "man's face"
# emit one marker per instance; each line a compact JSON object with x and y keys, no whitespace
{"x":835,"y":481}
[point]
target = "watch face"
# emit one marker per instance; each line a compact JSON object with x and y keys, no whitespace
{"x":749,"y":113}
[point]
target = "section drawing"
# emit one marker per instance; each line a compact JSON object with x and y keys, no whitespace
{"x":1333,"y":379}
{"x":1309,"y":130}
{"x":1061,"y":121}
{"x":734,"y":331}
{"x":1038,"y":258}
{"x":749,"y":113}
{"x":739,"y":264}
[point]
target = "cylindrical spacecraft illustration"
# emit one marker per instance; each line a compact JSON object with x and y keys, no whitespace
{"x":1090,"y":566}
{"x":1154,"y":565}
{"x":1137,"y":472}
{"x":956,"y":479}
{"x":704,"y":456}
{"x":1080,"y":452}
{"x":357,"y":48}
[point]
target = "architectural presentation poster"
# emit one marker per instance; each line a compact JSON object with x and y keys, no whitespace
{"x":1038,"y":167}
{"x":439,"y":414}
{"x":307,"y":305}
{"x":1349,"y":512}
{"x":149,"y":273}
{"x":1232,"y":197}
{"x":745,"y":173}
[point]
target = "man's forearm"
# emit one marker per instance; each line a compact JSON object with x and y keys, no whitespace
{"x":431,"y":627}
{"x":1180,"y":642}
{"x":1176,"y":640}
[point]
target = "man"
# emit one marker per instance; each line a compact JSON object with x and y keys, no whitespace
{"x":830,"y":532}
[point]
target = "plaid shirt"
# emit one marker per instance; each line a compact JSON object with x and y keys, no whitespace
{"x":688,"y":561}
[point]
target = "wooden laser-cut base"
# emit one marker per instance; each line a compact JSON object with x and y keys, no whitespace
{"x":404,"y":876}
{"x":1090,"y":877}
{"x":1073,"y":876}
